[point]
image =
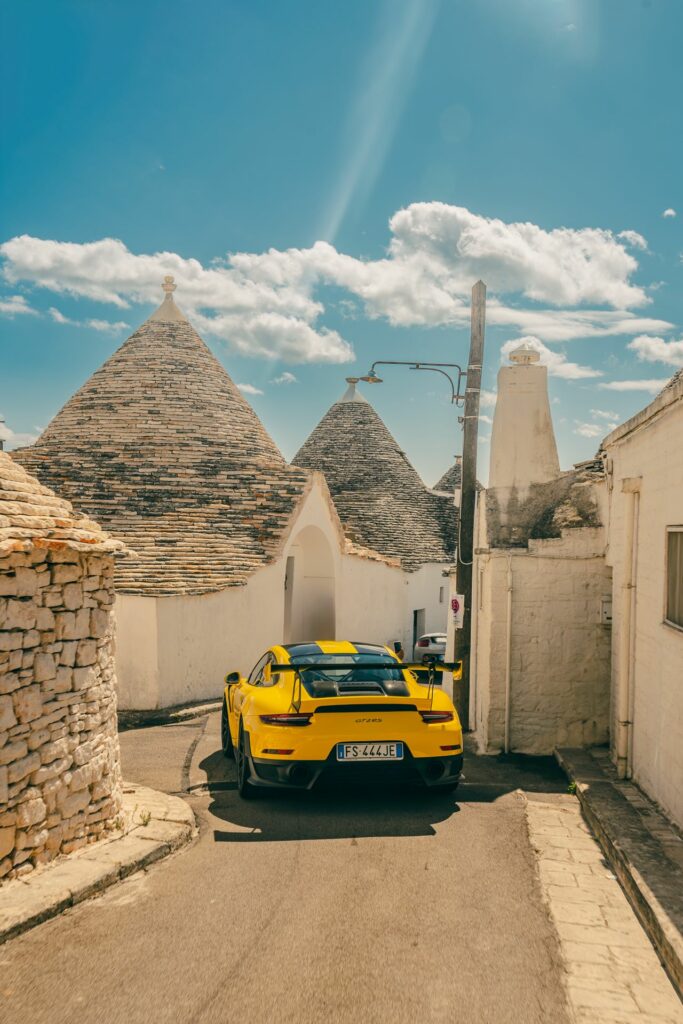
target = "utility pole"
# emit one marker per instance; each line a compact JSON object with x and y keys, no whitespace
{"x":465,"y":553}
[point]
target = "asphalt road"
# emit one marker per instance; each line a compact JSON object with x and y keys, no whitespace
{"x":331,"y":907}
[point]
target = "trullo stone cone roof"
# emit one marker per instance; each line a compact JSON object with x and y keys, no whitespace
{"x":380,"y":499}
{"x":32,"y":515}
{"x":161,"y":448}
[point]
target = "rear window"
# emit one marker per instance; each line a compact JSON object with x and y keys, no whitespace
{"x":365,"y":670}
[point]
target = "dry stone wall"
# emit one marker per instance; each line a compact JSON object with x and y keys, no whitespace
{"x":60,"y":784}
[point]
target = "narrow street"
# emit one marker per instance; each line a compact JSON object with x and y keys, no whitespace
{"x":325,"y":907}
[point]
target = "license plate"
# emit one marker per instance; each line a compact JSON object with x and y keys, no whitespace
{"x":369,"y":751}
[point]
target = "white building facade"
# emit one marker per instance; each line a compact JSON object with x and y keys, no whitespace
{"x":642,"y":506}
{"x":578,"y":589}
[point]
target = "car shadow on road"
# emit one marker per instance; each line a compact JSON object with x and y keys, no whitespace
{"x":350,"y":812}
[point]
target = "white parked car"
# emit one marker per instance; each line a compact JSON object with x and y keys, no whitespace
{"x":430,"y":645}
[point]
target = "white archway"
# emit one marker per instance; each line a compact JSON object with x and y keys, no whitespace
{"x":309,"y":588}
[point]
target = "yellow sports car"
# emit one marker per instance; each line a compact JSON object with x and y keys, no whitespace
{"x":341,"y":710}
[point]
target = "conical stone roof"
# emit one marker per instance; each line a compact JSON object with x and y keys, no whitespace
{"x":451,"y":480}
{"x":32,"y":515}
{"x":381,"y":500}
{"x":161,"y":448}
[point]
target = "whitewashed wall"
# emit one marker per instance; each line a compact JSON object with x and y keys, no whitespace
{"x":654,"y":452}
{"x":175,"y":650}
{"x":560,"y":651}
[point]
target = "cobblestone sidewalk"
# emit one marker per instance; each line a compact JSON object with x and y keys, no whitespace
{"x":613,"y":973}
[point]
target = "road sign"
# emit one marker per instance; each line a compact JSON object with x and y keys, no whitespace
{"x":458,"y":610}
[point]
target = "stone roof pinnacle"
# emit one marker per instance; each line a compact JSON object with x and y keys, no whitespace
{"x":168,"y":310}
{"x":351,"y":394}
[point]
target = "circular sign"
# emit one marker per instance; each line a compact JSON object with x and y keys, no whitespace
{"x":455,"y":605}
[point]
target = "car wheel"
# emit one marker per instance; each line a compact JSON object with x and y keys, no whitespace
{"x":244,"y":786}
{"x":425,"y":659}
{"x":226,"y":738}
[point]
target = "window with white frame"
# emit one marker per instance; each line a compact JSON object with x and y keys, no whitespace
{"x":674,"y":575}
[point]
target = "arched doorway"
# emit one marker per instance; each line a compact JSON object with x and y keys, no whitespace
{"x":309,"y":588}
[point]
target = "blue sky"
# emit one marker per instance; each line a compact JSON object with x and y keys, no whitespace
{"x":326,"y":182}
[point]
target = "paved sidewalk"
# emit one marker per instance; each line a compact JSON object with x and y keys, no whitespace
{"x":643,"y":849}
{"x":614,"y":975}
{"x":154,"y":824}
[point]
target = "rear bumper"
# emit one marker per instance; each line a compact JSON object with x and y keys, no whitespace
{"x":431,"y":772}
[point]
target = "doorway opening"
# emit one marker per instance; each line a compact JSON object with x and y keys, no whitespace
{"x":418,"y":627}
{"x":309,"y":605}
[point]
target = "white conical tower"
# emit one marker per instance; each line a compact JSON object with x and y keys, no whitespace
{"x":523,"y":448}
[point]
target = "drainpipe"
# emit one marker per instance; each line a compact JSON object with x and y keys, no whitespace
{"x":508,"y":657}
{"x":631,"y":487}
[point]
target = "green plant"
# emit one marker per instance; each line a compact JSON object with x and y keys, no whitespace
{"x":571,"y":788}
{"x":145,"y":817}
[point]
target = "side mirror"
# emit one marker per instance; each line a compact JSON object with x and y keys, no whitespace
{"x":232,"y":678}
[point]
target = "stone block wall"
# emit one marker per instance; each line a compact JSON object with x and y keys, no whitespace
{"x":60,"y":782}
{"x":559,"y":645}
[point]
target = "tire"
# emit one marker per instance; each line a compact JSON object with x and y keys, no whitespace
{"x":226,"y":739}
{"x":244,"y":786}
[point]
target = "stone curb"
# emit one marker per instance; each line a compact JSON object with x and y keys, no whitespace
{"x":165,"y":716}
{"x":27,"y":902}
{"x":636,"y":857}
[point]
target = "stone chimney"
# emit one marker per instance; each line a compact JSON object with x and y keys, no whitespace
{"x":523,"y":448}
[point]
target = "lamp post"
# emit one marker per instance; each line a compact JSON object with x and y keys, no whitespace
{"x":468,"y":483}
{"x":456,"y":397}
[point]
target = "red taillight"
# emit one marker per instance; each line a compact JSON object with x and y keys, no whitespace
{"x":274,"y":750}
{"x":437,"y":716}
{"x":453,"y":746}
{"x":287,"y":719}
{"x":423,"y":643}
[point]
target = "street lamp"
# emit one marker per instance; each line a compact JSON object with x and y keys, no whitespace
{"x":456,"y":397}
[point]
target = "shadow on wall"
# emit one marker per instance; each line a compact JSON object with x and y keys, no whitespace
{"x":310,"y":588}
{"x":336,"y":812}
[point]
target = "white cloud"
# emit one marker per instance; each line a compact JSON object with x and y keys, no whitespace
{"x":267,"y":304}
{"x":58,"y":317}
{"x":249,"y":389}
{"x":254,"y":317}
{"x":15,"y":305}
{"x":94,"y":324}
{"x":105,"y":325}
{"x":487,"y":398}
{"x":657,"y":350}
{"x":285,"y":378}
{"x":608,"y":421}
{"x":669,"y":212}
{"x":557,"y":363}
{"x":483,"y":418}
{"x":634,"y":239}
{"x":16,"y":439}
{"x":589,"y":429}
{"x":653,"y":386}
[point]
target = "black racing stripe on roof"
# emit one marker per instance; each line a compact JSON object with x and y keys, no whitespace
{"x":364,"y":648}
{"x":303,"y":650}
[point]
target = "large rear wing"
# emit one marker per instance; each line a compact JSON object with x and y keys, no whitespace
{"x":431,"y":665}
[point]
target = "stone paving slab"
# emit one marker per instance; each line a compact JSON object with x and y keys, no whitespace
{"x":644,"y":852}
{"x":156,"y":825}
{"x":613,"y":973}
